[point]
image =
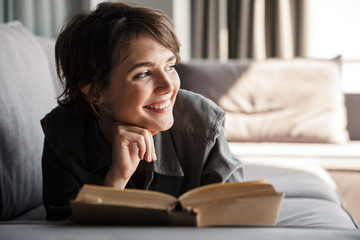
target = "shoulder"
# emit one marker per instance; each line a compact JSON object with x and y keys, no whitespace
{"x":61,"y":122}
{"x":197,"y":115}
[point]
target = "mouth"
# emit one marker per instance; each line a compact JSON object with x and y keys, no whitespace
{"x":159,"y":105}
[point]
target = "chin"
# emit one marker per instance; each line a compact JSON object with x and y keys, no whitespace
{"x":161,"y":127}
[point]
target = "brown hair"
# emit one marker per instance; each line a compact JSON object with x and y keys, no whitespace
{"x":93,"y":43}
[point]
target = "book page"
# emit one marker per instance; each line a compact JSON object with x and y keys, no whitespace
{"x":220,"y":192}
{"x":102,"y":195}
{"x":261,"y":210}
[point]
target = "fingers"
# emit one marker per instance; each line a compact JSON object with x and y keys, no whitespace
{"x":126,"y":136}
{"x":152,"y":154}
{"x":147,"y":140}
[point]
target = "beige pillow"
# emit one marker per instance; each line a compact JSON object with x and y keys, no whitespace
{"x":274,"y":100}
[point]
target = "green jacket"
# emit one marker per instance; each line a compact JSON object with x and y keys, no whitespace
{"x":192,"y":153}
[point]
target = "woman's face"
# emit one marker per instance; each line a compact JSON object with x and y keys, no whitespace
{"x":143,"y":87}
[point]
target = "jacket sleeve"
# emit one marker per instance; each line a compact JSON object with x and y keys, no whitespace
{"x":221,"y":165}
{"x":59,"y":186}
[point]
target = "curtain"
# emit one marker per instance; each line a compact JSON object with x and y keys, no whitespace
{"x":220,"y":29}
{"x":257,"y":29}
{"x":42,"y":17}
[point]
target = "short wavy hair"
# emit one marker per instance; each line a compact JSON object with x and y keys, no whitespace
{"x":92,"y":43}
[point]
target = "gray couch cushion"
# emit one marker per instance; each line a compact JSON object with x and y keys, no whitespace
{"x":48,"y":45}
{"x":296,"y":182}
{"x":26,"y":95}
{"x":311,"y":200}
{"x":94,"y":232}
{"x":314,"y":213}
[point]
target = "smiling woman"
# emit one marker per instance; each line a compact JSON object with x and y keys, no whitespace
{"x":122,"y":120}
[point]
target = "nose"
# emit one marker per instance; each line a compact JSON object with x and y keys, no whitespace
{"x":165,"y":82}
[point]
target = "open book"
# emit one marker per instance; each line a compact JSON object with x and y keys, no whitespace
{"x":219,"y":204}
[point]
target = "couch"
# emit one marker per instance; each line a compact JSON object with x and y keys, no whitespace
{"x":286,"y":112}
{"x":271,"y":140}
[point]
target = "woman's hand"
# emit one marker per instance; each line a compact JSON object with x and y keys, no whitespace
{"x":130,"y":145}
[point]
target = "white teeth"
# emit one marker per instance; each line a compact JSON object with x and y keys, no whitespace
{"x":159,"y":107}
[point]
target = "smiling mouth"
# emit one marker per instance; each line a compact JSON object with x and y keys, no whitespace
{"x":159,"y":106}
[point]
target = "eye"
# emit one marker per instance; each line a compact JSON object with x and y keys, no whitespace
{"x":142,"y":75}
{"x":170,"y":67}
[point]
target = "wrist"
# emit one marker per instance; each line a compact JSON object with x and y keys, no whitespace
{"x":113,"y":179}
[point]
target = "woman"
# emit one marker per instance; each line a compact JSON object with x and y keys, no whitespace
{"x":122,"y":120}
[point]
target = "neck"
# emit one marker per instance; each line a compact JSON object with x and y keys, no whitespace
{"x":106,"y":129}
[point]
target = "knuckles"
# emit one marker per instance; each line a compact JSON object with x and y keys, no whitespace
{"x":131,"y":133}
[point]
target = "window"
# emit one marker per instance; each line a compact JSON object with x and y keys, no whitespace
{"x":334,"y":30}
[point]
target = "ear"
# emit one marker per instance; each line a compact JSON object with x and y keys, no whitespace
{"x":86,"y":91}
{"x":86,"y":94}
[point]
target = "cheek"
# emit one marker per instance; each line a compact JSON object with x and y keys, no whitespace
{"x":139,"y":93}
{"x":132,"y":99}
{"x":177,"y":82}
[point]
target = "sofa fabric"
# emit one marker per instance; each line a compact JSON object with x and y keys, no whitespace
{"x":61,"y":232}
{"x":273,"y":100}
{"x":311,"y":196}
{"x":26,"y":94}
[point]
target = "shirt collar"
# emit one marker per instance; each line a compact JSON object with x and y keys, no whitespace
{"x":167,"y":162}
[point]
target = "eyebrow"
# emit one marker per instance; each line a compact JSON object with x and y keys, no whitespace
{"x":142,"y":64}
